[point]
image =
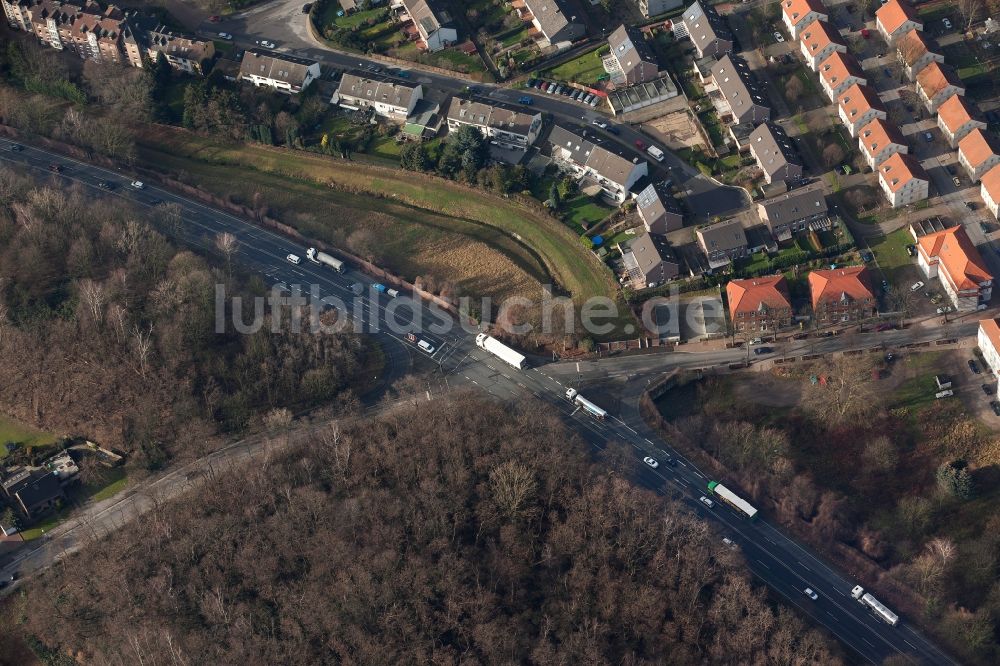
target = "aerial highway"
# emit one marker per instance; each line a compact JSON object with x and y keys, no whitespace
{"x":783,"y":564}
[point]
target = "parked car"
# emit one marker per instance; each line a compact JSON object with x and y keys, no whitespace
{"x":917,"y":286}
{"x":867,"y":256}
{"x":884,"y":327}
{"x":16,"y":147}
{"x":270,"y":45}
{"x":651,"y":462}
{"x":599,"y":123}
{"x":105,"y":185}
{"x":957,"y":182}
{"x":426,"y":346}
{"x":531,"y":82}
{"x":974,"y":367}
{"x":950,"y":169}
{"x":928,"y":137}
{"x":995,"y":406}
{"x":778,"y":37}
{"x":594,"y":100}
{"x":226,"y":36}
{"x":760,"y":351}
{"x":986,"y":389}
{"x":138,"y":184}
{"x":888,"y":74}
{"x":613,"y":129}
{"x":946,"y":23}
{"x":526,"y":100}
{"x":912,"y":251}
{"x":214,"y":18}
{"x":944,"y":309}
{"x":970,"y":205}
{"x":640,"y":144}
{"x":885,"y":285}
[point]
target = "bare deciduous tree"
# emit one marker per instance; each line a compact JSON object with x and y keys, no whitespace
{"x":970,"y":11}
{"x":95,"y":297}
{"x":847,"y":391}
{"x":833,"y":154}
{"x":794,"y":89}
{"x":227,"y":244}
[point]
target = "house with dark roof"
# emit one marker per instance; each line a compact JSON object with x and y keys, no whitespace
{"x":388,"y":99}
{"x":952,"y":257}
{"x":842,"y":295}
{"x":708,"y":31}
{"x":433,"y":23}
{"x":41,"y":493}
{"x":279,"y":71}
{"x":183,"y":52}
{"x":722,"y":242}
{"x":775,"y":154}
{"x":760,"y":304}
{"x":634,"y":60}
{"x":740,"y":89}
{"x":508,"y":127}
{"x":658,"y":209}
{"x":649,"y":261}
{"x":556,"y":20}
{"x":592,"y":159}
{"x":794,"y":211}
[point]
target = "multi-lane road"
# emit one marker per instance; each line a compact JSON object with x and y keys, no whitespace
{"x":784,"y":565}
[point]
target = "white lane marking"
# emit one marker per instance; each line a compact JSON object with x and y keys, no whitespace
{"x":764,"y":565}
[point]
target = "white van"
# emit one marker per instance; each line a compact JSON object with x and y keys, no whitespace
{"x":655,"y":153}
{"x":426,"y":346}
{"x":294,"y":259}
{"x":392,"y":293}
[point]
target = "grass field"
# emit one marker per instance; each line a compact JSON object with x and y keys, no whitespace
{"x":19,"y":433}
{"x":582,"y":69}
{"x":890,"y":252}
{"x":485,"y":244}
{"x":351,"y":20}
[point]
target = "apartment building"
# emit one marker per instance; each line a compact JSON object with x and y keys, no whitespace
{"x":978,"y":152}
{"x":708,"y":31}
{"x":759,"y":305}
{"x":950,"y":256}
{"x":433,"y":23}
{"x":842,"y":295}
{"x":278,"y":71}
{"x":957,"y":118}
{"x":896,"y":18}
{"x":388,"y":99}
{"x":776,"y":156}
{"x":916,"y":50}
{"x":880,"y":140}
{"x":793,"y":212}
{"x":634,"y":59}
{"x":903,"y":180}
{"x":590,"y":160}
{"x":658,"y":209}
{"x":989,"y":190}
{"x":508,"y":127}
{"x":936,"y":83}
{"x":556,"y":20}
{"x":858,"y":106}
{"x":818,"y":42}
{"x":839,"y":72}
{"x":797,"y":15}
{"x":723,"y":242}
{"x":739,"y":87}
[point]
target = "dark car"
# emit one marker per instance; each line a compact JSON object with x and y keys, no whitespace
{"x":911,"y":250}
{"x":825,"y":334}
{"x":105,"y":185}
{"x":995,"y":406}
{"x":974,"y":366}
{"x":885,"y":285}
{"x":55,"y":168}
{"x":986,"y":389}
{"x":672,"y":462}
{"x":884,"y":327}
{"x":16,"y":147}
{"x":867,"y":256}
{"x":760,"y":351}
{"x":970,"y":205}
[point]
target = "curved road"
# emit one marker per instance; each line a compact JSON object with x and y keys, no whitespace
{"x":784,"y":565}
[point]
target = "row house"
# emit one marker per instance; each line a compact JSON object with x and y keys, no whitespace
{"x":739,"y":87}
{"x":387,"y":99}
{"x":915,"y":51}
{"x":182,"y":52}
{"x":818,"y":42}
{"x":649,"y":261}
{"x":555,"y":20}
{"x":794,"y":212}
{"x":278,"y":71}
{"x":838,"y":73}
{"x":759,"y":305}
{"x":989,"y":190}
{"x":505,"y":126}
{"x":658,"y":209}
{"x":723,"y":242}
{"x":842,"y":295}
{"x":978,"y":152}
{"x":633,"y":57}
{"x":957,"y":118}
{"x":936,"y":83}
{"x":775,"y":154}
{"x":896,"y":18}
{"x":903,"y":180}
{"x":587,"y":159}
{"x":880,"y":140}
{"x":708,"y":31}
{"x":433,"y":23}
{"x":858,"y":106}
{"x":950,"y":256}
{"x":798,"y":15}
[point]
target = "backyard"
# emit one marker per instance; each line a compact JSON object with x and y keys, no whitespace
{"x":586,"y":69}
{"x":890,"y":253}
{"x":14,"y":432}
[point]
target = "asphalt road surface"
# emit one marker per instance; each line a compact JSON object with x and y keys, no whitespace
{"x":784,"y":565}
{"x":283,"y":23}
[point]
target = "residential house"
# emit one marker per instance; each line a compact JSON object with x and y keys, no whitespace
{"x":903,"y":180}
{"x":433,"y":23}
{"x":508,"y":127}
{"x":590,"y":160}
{"x":723,"y":242}
{"x":915,"y":51}
{"x":555,"y":20}
{"x":40,"y":493}
{"x":936,"y":83}
{"x":633,"y":57}
{"x":842,"y":295}
{"x":794,"y":211}
{"x":950,"y":256}
{"x":957,"y":118}
{"x":284,"y":73}
{"x":818,"y":42}
{"x":800,"y":14}
{"x":896,"y":18}
{"x":978,"y":152}
{"x":185,"y":53}
{"x":838,"y":73}
{"x":760,"y":304}
{"x":709,"y":32}
{"x":858,"y":106}
{"x":989,"y":190}
{"x":649,"y":261}
{"x":775,"y":153}
{"x":388,"y":99}
{"x":651,"y":8}
{"x":658,"y":209}
{"x":739,"y":87}
{"x":988,"y":340}
{"x":880,"y":140}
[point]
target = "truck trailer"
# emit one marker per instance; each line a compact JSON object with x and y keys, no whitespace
{"x":732,"y":499}
{"x":324,"y":259}
{"x":877,"y":606}
{"x":574,"y":396}
{"x":501,"y":351}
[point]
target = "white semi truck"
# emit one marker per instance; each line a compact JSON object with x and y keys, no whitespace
{"x":325,"y":259}
{"x":574,"y":396}
{"x":501,"y":351}
{"x":880,"y":609}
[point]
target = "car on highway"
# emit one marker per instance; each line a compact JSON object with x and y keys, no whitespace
{"x":138,"y":184}
{"x":995,"y":406}
{"x":426,"y":346}
{"x":986,"y":389}
{"x":707,"y":502}
{"x":526,"y":100}
{"x":294,"y":259}
{"x":640,"y":144}
{"x":809,"y":593}
{"x":57,"y":168}
{"x":917,"y":286}
{"x":105,"y":185}
{"x":226,"y":36}
{"x":974,"y":367}
{"x":778,"y":37}
{"x":651,"y":462}
{"x":16,"y":147}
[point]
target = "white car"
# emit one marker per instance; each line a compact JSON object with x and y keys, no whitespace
{"x":917,"y":285}
{"x":945,"y":309}
{"x":946,"y":23}
{"x":728,"y":541}
{"x":226,"y":36}
{"x":707,"y":502}
{"x":266,"y":44}
{"x":138,"y":184}
{"x":809,"y":593}
{"x":426,"y":346}
{"x":294,"y":259}
{"x":599,"y":123}
{"x":778,"y":37}
{"x":651,"y":462}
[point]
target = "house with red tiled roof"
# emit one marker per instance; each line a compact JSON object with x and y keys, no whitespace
{"x":818,"y":41}
{"x":896,"y":18}
{"x":759,"y":304}
{"x":956,"y":118}
{"x":859,"y":105}
{"x":978,"y":152}
{"x":839,"y":72}
{"x":989,"y":190}
{"x":989,"y":343}
{"x":880,"y":140}
{"x":936,"y":83}
{"x":842,"y":295}
{"x":916,"y":50}
{"x":800,"y":14}
{"x":903,"y":180}
{"x":950,"y":256}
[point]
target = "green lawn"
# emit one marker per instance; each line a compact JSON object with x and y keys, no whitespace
{"x":386,"y":147}
{"x":46,"y":525}
{"x":19,"y":433}
{"x":583,"y":69}
{"x":584,"y":210}
{"x":890,"y":252}
{"x":515,"y":36}
{"x":352,"y":20}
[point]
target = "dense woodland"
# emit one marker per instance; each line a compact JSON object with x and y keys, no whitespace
{"x":108,"y":331}
{"x":463,"y":531}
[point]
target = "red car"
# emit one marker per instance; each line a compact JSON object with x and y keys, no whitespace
{"x":865,"y":33}
{"x":640,"y":144}
{"x":215,"y":18}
